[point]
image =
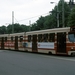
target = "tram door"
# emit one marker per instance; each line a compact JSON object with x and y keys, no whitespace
{"x":2,"y":43}
{"x":34,"y":43}
{"x":61,"y":42}
{"x":16,"y":42}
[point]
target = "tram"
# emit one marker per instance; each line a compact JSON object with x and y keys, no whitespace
{"x":53,"y":41}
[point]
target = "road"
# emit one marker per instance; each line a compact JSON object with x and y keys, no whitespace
{"x":23,"y":63}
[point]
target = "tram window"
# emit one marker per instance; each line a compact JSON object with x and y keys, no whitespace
{"x":45,"y":37}
{"x":71,"y":37}
{"x":12,"y":39}
{"x":5,"y":39}
{"x":0,"y":38}
{"x":21,"y":38}
{"x":39,"y":37}
{"x":51,"y":37}
{"x":29,"y":38}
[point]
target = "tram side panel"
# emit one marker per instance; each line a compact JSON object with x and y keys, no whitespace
{"x":28,"y":44}
{"x":31,"y":43}
{"x":3,"y":41}
{"x":6,"y":42}
{"x":66,"y":43}
{"x":21,"y":43}
{"x":0,"y":42}
{"x":45,"y":43}
{"x":10,"y":43}
{"x":17,"y":41}
{"x":70,"y":44}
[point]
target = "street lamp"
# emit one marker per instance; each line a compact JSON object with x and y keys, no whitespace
{"x":57,"y":14}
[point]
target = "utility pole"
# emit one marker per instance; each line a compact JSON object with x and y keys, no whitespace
{"x":12,"y":21}
{"x":57,"y":16}
{"x":63,"y":13}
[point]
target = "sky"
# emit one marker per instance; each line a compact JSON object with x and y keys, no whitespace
{"x":25,"y":11}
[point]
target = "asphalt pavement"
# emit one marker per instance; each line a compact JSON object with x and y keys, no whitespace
{"x":23,"y":63}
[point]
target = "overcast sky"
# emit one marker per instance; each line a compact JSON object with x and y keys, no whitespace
{"x":24,"y":10}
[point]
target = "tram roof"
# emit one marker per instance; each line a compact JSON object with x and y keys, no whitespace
{"x":14,"y":34}
{"x":17,"y":34}
{"x":4,"y":35}
{"x":55,"y":30}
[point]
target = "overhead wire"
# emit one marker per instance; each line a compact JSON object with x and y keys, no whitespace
{"x":30,"y":17}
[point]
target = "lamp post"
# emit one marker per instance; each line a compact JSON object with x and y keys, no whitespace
{"x":57,"y":14}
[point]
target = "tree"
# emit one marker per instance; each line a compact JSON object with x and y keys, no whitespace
{"x":24,"y":28}
{"x":34,"y":27}
{"x":40,"y":23}
{"x":50,"y":21}
{"x":3,"y":29}
{"x":16,"y":29}
{"x":9,"y":29}
{"x":71,"y":18}
{"x":66,"y":12}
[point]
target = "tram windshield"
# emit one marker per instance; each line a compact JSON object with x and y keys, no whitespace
{"x":71,"y":37}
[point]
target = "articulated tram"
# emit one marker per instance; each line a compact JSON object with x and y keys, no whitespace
{"x":53,"y":41}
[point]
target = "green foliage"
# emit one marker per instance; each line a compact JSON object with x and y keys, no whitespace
{"x":3,"y":30}
{"x":50,"y":21}
{"x":66,"y":13}
{"x":71,"y":18}
{"x":34,"y":27}
{"x":17,"y":28}
{"x":40,"y":23}
{"x":24,"y":28}
{"x":9,"y":28}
